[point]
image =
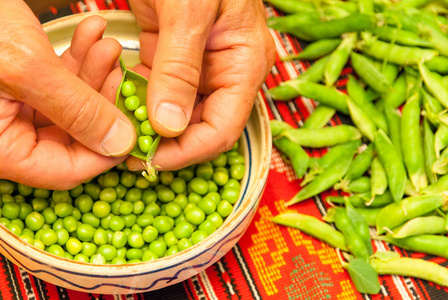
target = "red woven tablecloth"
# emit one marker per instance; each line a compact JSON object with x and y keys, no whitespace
{"x":269,"y":262}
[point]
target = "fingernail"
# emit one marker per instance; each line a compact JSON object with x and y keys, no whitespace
{"x":119,"y":138}
{"x":171,"y":116}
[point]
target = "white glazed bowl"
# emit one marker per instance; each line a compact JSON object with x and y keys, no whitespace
{"x":147,"y":276}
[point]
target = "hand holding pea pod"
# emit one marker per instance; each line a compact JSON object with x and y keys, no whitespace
{"x":83,"y":127}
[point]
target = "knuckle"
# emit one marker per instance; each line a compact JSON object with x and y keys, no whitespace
{"x":80,"y":115}
{"x":180,"y":71}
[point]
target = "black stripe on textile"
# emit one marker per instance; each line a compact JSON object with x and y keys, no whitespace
{"x":245,"y":270}
{"x":41,"y":289}
{"x":173,"y":292}
{"x":62,"y":293}
{"x":49,"y":16}
{"x":13,"y":283}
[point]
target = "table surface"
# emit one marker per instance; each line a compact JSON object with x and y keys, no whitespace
{"x":270,"y":261}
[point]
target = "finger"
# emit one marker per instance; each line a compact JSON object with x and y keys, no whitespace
{"x":65,"y":166}
{"x":177,"y":63}
{"x":88,"y":32}
{"x":99,"y":62}
{"x":53,"y":133}
{"x":213,"y":135}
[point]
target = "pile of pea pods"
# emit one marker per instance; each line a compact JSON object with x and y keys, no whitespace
{"x":388,"y":165}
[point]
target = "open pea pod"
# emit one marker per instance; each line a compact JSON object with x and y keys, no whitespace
{"x":141,"y":84}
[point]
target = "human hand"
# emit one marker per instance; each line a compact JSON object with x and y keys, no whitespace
{"x":207,"y":61}
{"x":56,"y":129}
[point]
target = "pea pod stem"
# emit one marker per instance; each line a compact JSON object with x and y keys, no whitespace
{"x":413,"y":267}
{"x":313,"y":227}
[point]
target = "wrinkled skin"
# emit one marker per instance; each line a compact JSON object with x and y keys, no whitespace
{"x":205,"y":62}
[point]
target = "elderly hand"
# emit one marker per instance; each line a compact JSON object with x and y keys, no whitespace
{"x":56,"y":129}
{"x":207,"y":60}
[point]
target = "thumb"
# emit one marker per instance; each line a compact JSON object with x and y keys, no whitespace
{"x":81,"y":111}
{"x":176,"y":68}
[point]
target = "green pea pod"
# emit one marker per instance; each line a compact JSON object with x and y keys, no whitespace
{"x":371,"y":75}
{"x":361,"y":120}
{"x":355,"y":22}
{"x":315,"y":50}
{"x":438,"y":64}
{"x":433,"y":110}
{"x":366,"y":7}
{"x":351,"y":7}
{"x":429,"y":151}
{"x":358,"y":168}
{"x":320,"y":117}
{"x":141,"y":84}
{"x":339,"y":58}
{"x":413,"y":147}
{"x":419,"y":226}
{"x":401,"y":55}
{"x":378,"y":178}
{"x":277,"y":127}
{"x":399,"y":19}
{"x":360,"y":225}
{"x":433,"y":33}
{"x":440,"y":165}
{"x":364,"y":200}
{"x":294,"y":24}
{"x":397,"y":95}
{"x":412,"y":267}
{"x":313,"y":227}
{"x":401,"y":37}
{"x":434,"y":84}
{"x":286,"y":92}
{"x":393,"y":165}
{"x":355,"y":90}
{"x":369,"y":214}
{"x":438,"y":187}
{"x":292,"y":6}
{"x":432,"y":244}
{"x":397,"y":213}
{"x":440,"y":139}
{"x":295,"y":153}
{"x":394,"y":124}
{"x":355,"y":243}
{"x":323,"y":137}
{"x":359,"y":185}
{"x":334,"y":12}
{"x":329,"y":96}
{"x":324,"y":180}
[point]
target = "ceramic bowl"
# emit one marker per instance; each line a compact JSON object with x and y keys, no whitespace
{"x":146,"y":276}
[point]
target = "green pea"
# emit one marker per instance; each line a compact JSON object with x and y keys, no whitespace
{"x":199,"y":185}
{"x":181,"y":200}
{"x":121,"y":190}
{"x":139,"y":207}
{"x":38,"y":244}
{"x":183,"y":229}
{"x":170,"y":239}
{"x":97,"y":259}
{"x":183,"y":244}
{"x":81,"y":258}
{"x":91,"y":219}
{"x":84,"y":203}
{"x":132,"y":103}
{"x":85,"y":232}
{"x":135,"y":240}
{"x":129,"y":220}
{"x":237,"y":171}
{"x":34,"y":221}
{"x":88,"y":249}
{"x":126,"y":208}
{"x":14,"y":228}
{"x":220,"y":161}
{"x":101,"y":209}
{"x":116,"y":223}
{"x":141,"y":113}
{"x":207,"y":205}
{"x":136,"y":228}
{"x":11,"y":210}
{"x":58,"y":224}
{"x":73,"y":246}
{"x":198,"y":236}
{"x":186,"y":173}
{"x":158,"y":248}
{"x":172,"y":250}
{"x":150,"y":234}
{"x":166,"y":177}
{"x":149,"y":196}
{"x":146,"y":128}
{"x":24,"y":190}
{"x":61,"y":196}
{"x":49,"y":237}
{"x":6,"y":187}
{"x":119,"y":239}
{"x":108,"y":195}
{"x":133,"y":195}
{"x":128,"y":179}
{"x":233,"y":183}
{"x":207,"y":226}
{"x":230,"y":195}
{"x":4,"y":221}
{"x":105,"y":222}
{"x":134,"y":254}
{"x":153,"y":209}
{"x":145,"y":142}
{"x":63,"y":209}
{"x":220,"y":177}
{"x":70,"y":224}
{"x":194,"y":198}
{"x":25,"y":210}
{"x":216,"y":219}
{"x":215,"y":196}
{"x":63,"y":236}
{"x":224,"y":208}
{"x":148,"y":255}
{"x":144,"y":220}
{"x":41,"y":193}
{"x":19,"y":222}
{"x":142,"y":183}
{"x":165,"y":194}
{"x":128,"y":88}
{"x":163,"y":224}
{"x":100,"y":237}
{"x":26,"y":238}
{"x":195,"y":215}
{"x":173,"y":209}
{"x":109,"y":252}
{"x":57,"y":250}
{"x":204,"y":171}
{"x":118,"y":261}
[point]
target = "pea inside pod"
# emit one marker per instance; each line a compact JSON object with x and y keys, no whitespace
{"x":131,"y":100}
